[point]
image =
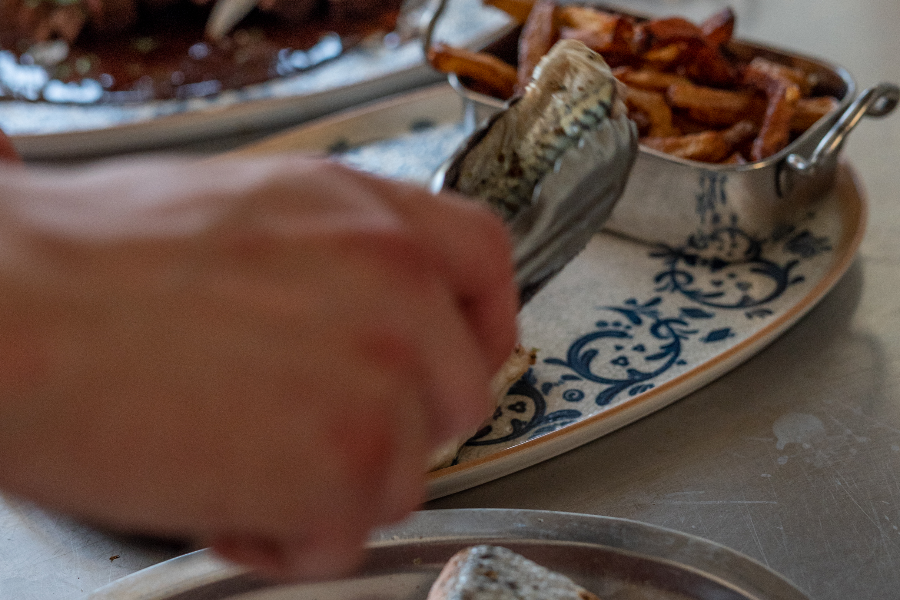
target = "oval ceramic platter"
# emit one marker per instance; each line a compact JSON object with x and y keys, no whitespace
{"x":43,"y":130}
{"x":627,"y":327}
{"x":616,"y":559}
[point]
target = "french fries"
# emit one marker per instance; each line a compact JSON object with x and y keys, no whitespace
{"x":783,"y":94}
{"x":687,"y":93}
{"x":665,"y":32}
{"x":706,"y":146}
{"x":719,"y":28}
{"x":485,"y":73}
{"x":712,"y":106}
{"x":810,"y":110}
{"x":652,"y":106}
{"x":648,"y":79}
{"x":538,"y":36}
{"x":609,"y":34}
{"x":517,"y":9}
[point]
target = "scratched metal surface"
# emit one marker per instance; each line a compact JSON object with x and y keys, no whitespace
{"x":792,"y":458}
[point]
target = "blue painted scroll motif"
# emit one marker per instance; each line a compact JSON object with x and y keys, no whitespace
{"x":728,"y":269}
{"x":631,"y":347}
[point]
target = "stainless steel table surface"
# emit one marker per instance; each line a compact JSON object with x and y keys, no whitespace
{"x":822,"y":508}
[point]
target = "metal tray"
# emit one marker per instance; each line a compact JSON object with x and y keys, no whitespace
{"x":615,"y":558}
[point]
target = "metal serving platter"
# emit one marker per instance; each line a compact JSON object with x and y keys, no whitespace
{"x":52,"y":131}
{"x":615,"y":558}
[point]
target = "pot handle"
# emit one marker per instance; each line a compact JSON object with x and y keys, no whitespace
{"x":876,"y":101}
{"x":433,"y":18}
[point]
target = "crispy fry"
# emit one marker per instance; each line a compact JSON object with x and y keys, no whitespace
{"x":685,"y":124}
{"x":735,"y":159}
{"x":665,"y":32}
{"x":718,"y":29}
{"x":700,"y":58}
{"x":761,"y":67}
{"x":740,"y":132}
{"x":653,"y":106}
{"x":491,"y":74}
{"x":600,"y":31}
{"x":782,"y":94}
{"x":707,"y":146}
{"x":711,"y":105}
{"x":708,"y":65}
{"x":537,"y":37}
{"x":583,"y":17}
{"x":665,"y":57}
{"x":810,"y":110}
{"x":615,"y":50}
{"x":775,"y":132}
{"x":648,"y":79}
{"x":598,"y":22}
{"x":517,"y":9}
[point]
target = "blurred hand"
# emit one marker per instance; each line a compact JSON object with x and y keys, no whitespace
{"x":256,"y":354}
{"x":8,"y":153}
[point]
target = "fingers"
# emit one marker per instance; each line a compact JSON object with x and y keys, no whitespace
{"x":466,"y":245}
{"x":290,"y":559}
{"x":453,"y":359}
{"x":306,"y":376}
{"x":472,"y":301}
{"x":7,"y":151}
{"x":471,"y":247}
{"x":461,"y":257}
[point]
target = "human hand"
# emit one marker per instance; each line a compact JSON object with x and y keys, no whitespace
{"x":8,"y":152}
{"x":259,"y":355}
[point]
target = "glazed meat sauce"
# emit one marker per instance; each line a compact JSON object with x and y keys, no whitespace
{"x":162,"y":53}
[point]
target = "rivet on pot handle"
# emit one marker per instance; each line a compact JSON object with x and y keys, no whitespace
{"x":876,"y":101}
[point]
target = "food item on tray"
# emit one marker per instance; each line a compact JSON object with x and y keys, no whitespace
{"x":96,"y":51}
{"x":488,"y":74}
{"x":706,"y":146}
{"x":488,"y":572}
{"x":512,"y":370}
{"x":538,"y":36}
{"x":688,"y":94}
